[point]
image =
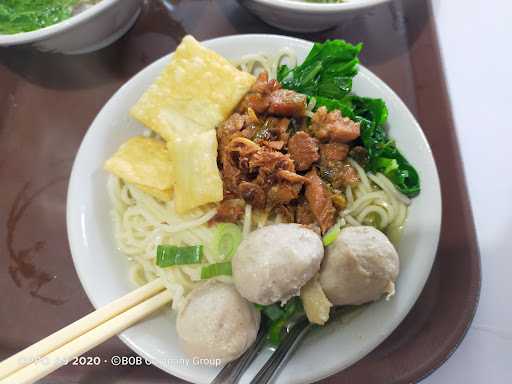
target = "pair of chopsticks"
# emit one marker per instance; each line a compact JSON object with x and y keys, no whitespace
{"x":54,"y":351}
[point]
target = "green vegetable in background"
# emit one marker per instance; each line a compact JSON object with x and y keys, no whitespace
{"x":169,"y":255}
{"x":28,"y":15}
{"x":326,"y":75}
{"x":327,"y":70}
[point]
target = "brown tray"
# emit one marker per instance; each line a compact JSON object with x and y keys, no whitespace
{"x":47,"y":102}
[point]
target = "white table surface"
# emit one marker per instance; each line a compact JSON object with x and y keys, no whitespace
{"x":476,"y":45}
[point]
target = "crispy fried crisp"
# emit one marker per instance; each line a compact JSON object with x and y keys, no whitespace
{"x":145,"y":162}
{"x":197,"y":90}
{"x":198,"y":179}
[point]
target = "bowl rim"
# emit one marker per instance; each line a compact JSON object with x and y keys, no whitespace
{"x":54,"y":29}
{"x":77,"y":234}
{"x":304,"y":6}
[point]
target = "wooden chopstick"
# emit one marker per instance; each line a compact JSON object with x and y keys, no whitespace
{"x":88,"y":340}
{"x":83,"y":334}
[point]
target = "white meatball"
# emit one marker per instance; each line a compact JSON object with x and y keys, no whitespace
{"x":215,"y":322}
{"x":274,"y":262}
{"x":359,"y":266}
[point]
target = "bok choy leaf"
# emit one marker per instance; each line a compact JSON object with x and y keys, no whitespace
{"x":327,"y":70}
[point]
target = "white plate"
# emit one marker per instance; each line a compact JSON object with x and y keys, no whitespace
{"x":301,"y":16}
{"x":103,"y":270}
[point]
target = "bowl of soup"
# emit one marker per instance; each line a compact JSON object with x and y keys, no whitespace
{"x":308,"y":15}
{"x":66,"y":26}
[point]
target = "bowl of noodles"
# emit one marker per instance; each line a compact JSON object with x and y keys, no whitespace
{"x":255,"y":162}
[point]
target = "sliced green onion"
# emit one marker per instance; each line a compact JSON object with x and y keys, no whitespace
{"x":332,"y":234}
{"x":217,"y":269}
{"x":226,"y":239}
{"x":273,"y":312}
{"x":169,"y":255}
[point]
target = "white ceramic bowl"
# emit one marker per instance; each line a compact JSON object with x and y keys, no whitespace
{"x":92,"y":29}
{"x":300,"y":16}
{"x":103,"y":270}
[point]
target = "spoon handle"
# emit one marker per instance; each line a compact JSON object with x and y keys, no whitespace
{"x":285,"y":349}
{"x":233,"y":371}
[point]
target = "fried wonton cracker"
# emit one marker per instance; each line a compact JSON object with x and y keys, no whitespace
{"x":145,"y":162}
{"x":197,"y":90}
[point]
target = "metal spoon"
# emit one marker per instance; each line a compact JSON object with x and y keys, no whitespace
{"x":295,"y":332}
{"x":233,"y":371}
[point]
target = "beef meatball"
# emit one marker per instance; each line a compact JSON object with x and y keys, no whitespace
{"x":274,"y":262}
{"x":359,"y":266}
{"x":215,"y":322}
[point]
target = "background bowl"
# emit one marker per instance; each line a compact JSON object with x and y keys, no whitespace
{"x":298,"y":16}
{"x":92,"y":29}
{"x":103,"y":270}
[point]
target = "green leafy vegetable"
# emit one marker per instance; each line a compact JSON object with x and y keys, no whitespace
{"x":226,"y":239}
{"x":326,"y":75}
{"x":169,"y":255}
{"x":343,"y":105}
{"x":28,"y":15}
{"x":275,"y":333}
{"x":331,"y":235}
{"x":327,"y":70}
{"x":279,"y":317}
{"x":273,"y":312}
{"x":388,"y":165}
{"x":217,"y":269}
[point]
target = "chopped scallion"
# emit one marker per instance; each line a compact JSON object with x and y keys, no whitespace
{"x":331,"y":235}
{"x":169,"y":255}
{"x":217,"y":269}
{"x":226,"y":239}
